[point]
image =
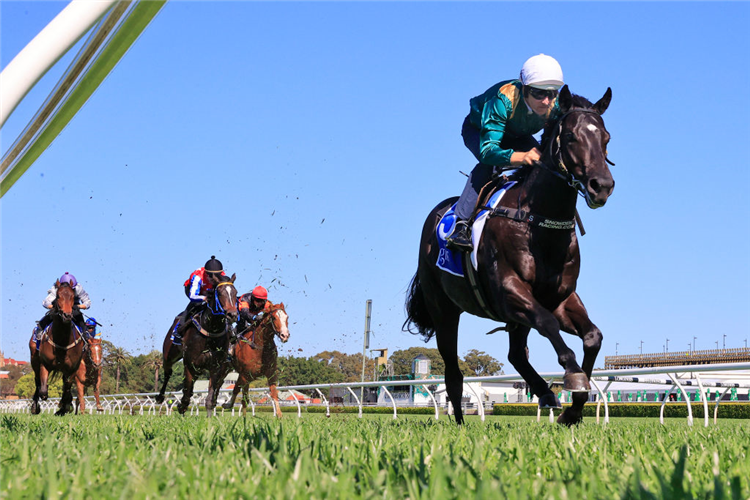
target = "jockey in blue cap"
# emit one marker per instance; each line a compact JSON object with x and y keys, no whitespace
{"x":91,"y":331}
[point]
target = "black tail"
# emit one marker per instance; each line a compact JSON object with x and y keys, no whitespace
{"x":417,"y":316}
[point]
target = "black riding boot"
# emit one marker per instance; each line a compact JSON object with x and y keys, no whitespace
{"x":460,"y":238}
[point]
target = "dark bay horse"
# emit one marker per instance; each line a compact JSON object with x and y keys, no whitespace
{"x":60,"y":350}
{"x":89,"y":374}
{"x":255,"y":354}
{"x":528,"y":260}
{"x":205,"y":343}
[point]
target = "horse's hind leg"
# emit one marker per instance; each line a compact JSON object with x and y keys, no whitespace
{"x":447,"y":342}
{"x":518,"y":355}
{"x":241,"y":382}
{"x":574,"y":319}
{"x":97,"y":386}
{"x":187,"y":391}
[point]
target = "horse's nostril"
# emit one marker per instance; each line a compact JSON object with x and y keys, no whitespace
{"x":595,"y":186}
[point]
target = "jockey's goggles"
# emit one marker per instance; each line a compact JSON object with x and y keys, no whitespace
{"x":540,"y":94}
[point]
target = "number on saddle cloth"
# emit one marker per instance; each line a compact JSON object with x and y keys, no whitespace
{"x":450,"y":260}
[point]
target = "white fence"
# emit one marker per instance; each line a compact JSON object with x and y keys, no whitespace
{"x":679,"y":377}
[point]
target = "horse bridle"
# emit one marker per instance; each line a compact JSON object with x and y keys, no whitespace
{"x":561,"y":170}
{"x":217,"y":309}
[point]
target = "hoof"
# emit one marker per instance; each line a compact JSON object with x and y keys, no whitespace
{"x":159,"y":399}
{"x":99,"y":408}
{"x":227,"y":405}
{"x":576,"y":382}
{"x":549,"y":400}
{"x":569,"y":418}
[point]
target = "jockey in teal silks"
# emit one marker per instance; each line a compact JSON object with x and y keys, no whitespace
{"x":499,"y":132}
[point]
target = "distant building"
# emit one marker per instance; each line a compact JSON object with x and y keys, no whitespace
{"x":10,"y":361}
{"x":648,"y":360}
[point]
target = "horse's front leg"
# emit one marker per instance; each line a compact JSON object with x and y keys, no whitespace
{"x":43,"y":378}
{"x":574,"y":319}
{"x":522,"y":307}
{"x":81,"y":394}
{"x":275,"y":400}
{"x":66,"y":402}
{"x":97,"y":385}
{"x":211,"y":396}
{"x":35,"y":407}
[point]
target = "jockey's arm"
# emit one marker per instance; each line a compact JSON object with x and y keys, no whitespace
{"x":50,"y":298}
{"x":195,"y":289}
{"x":83,"y":297}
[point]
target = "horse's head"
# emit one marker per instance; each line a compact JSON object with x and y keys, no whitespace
{"x":577,"y":146}
{"x":65,"y":300}
{"x":224,"y":299}
{"x":279,"y":321}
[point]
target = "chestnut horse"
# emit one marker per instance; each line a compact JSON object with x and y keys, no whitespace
{"x":60,"y":350}
{"x":528,"y":260}
{"x":89,"y":374}
{"x":255,"y":354}
{"x":205,"y":344}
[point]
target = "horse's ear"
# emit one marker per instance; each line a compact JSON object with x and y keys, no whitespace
{"x":57,"y":283}
{"x":603,"y":103}
{"x":565,"y":100}
{"x":234,"y":277}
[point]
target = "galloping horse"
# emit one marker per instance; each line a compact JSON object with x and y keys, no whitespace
{"x":205,"y":343}
{"x":527,"y":260}
{"x":255,"y":354}
{"x":60,"y":350}
{"x":89,"y":374}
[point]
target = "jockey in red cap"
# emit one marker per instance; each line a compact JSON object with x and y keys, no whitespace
{"x":200,"y":282}
{"x":252,"y":308}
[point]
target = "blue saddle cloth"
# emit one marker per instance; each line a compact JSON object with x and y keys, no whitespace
{"x":450,"y":260}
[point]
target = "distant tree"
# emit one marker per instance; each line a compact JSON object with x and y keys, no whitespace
{"x":306,"y":371}
{"x":402,"y":361}
{"x":117,"y":357}
{"x":26,"y":386}
{"x":15,"y":372}
{"x":155,"y":361}
{"x":350,"y":365}
{"x":480,"y":363}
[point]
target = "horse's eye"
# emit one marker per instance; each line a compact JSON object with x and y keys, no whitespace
{"x":569,"y":137}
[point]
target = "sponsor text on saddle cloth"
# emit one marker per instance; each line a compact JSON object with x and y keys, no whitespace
{"x":450,"y":260}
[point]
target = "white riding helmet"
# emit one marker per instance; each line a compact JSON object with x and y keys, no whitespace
{"x":542,"y":72}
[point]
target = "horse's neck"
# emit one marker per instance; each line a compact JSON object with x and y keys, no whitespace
{"x":210,"y":321}
{"x":61,"y":328}
{"x":545,"y":194}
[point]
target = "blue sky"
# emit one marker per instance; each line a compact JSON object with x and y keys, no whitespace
{"x":303,"y":144}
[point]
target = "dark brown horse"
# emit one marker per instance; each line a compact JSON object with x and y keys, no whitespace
{"x":255,"y":354}
{"x":60,"y":350}
{"x":205,"y":343}
{"x":528,"y":260}
{"x":89,"y":374}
